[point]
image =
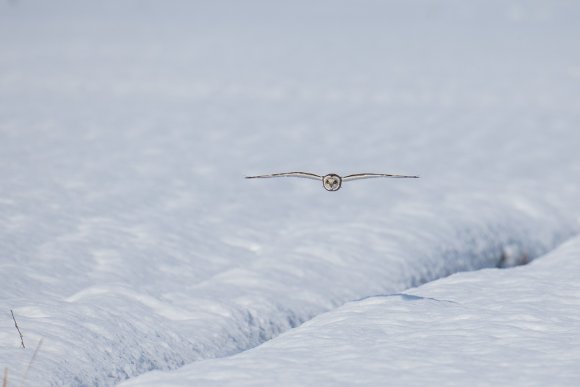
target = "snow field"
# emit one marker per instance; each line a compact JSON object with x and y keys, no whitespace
{"x":108,"y":332}
{"x":130,"y":241}
{"x":516,"y":327}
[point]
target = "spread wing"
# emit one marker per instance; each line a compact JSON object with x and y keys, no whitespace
{"x":357,"y":176}
{"x":305,"y":175}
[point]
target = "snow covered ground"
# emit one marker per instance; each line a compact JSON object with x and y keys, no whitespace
{"x":514,"y":327}
{"x":130,"y":241}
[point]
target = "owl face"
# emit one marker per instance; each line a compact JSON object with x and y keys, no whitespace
{"x":332,"y":182}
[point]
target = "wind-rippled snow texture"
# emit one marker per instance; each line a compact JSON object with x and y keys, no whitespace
{"x":493,"y":327}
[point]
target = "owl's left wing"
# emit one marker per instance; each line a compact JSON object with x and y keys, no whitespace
{"x":357,"y":176}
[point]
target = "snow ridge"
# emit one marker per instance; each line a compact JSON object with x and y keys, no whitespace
{"x":119,"y":333}
{"x":512,"y":327}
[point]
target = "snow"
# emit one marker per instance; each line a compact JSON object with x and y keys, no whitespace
{"x":130,"y":241}
{"x":514,"y":327}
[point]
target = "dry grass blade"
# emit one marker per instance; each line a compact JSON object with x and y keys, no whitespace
{"x":18,"y":329}
{"x":5,"y":380}
{"x":30,"y":363}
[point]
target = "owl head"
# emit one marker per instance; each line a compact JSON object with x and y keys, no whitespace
{"x":332,"y":182}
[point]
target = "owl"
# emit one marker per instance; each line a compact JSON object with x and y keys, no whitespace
{"x":331,"y":181}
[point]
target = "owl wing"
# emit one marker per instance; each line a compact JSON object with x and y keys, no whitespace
{"x":357,"y":176}
{"x":305,"y":175}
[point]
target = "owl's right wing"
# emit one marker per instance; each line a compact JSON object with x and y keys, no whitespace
{"x":305,"y":175}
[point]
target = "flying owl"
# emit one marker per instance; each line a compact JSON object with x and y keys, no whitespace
{"x":332,"y":181}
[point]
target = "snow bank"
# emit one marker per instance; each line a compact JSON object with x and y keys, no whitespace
{"x":517,"y":327}
{"x":109,"y":331}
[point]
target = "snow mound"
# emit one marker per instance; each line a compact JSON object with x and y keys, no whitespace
{"x":517,"y":327}
{"x":109,"y":332}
